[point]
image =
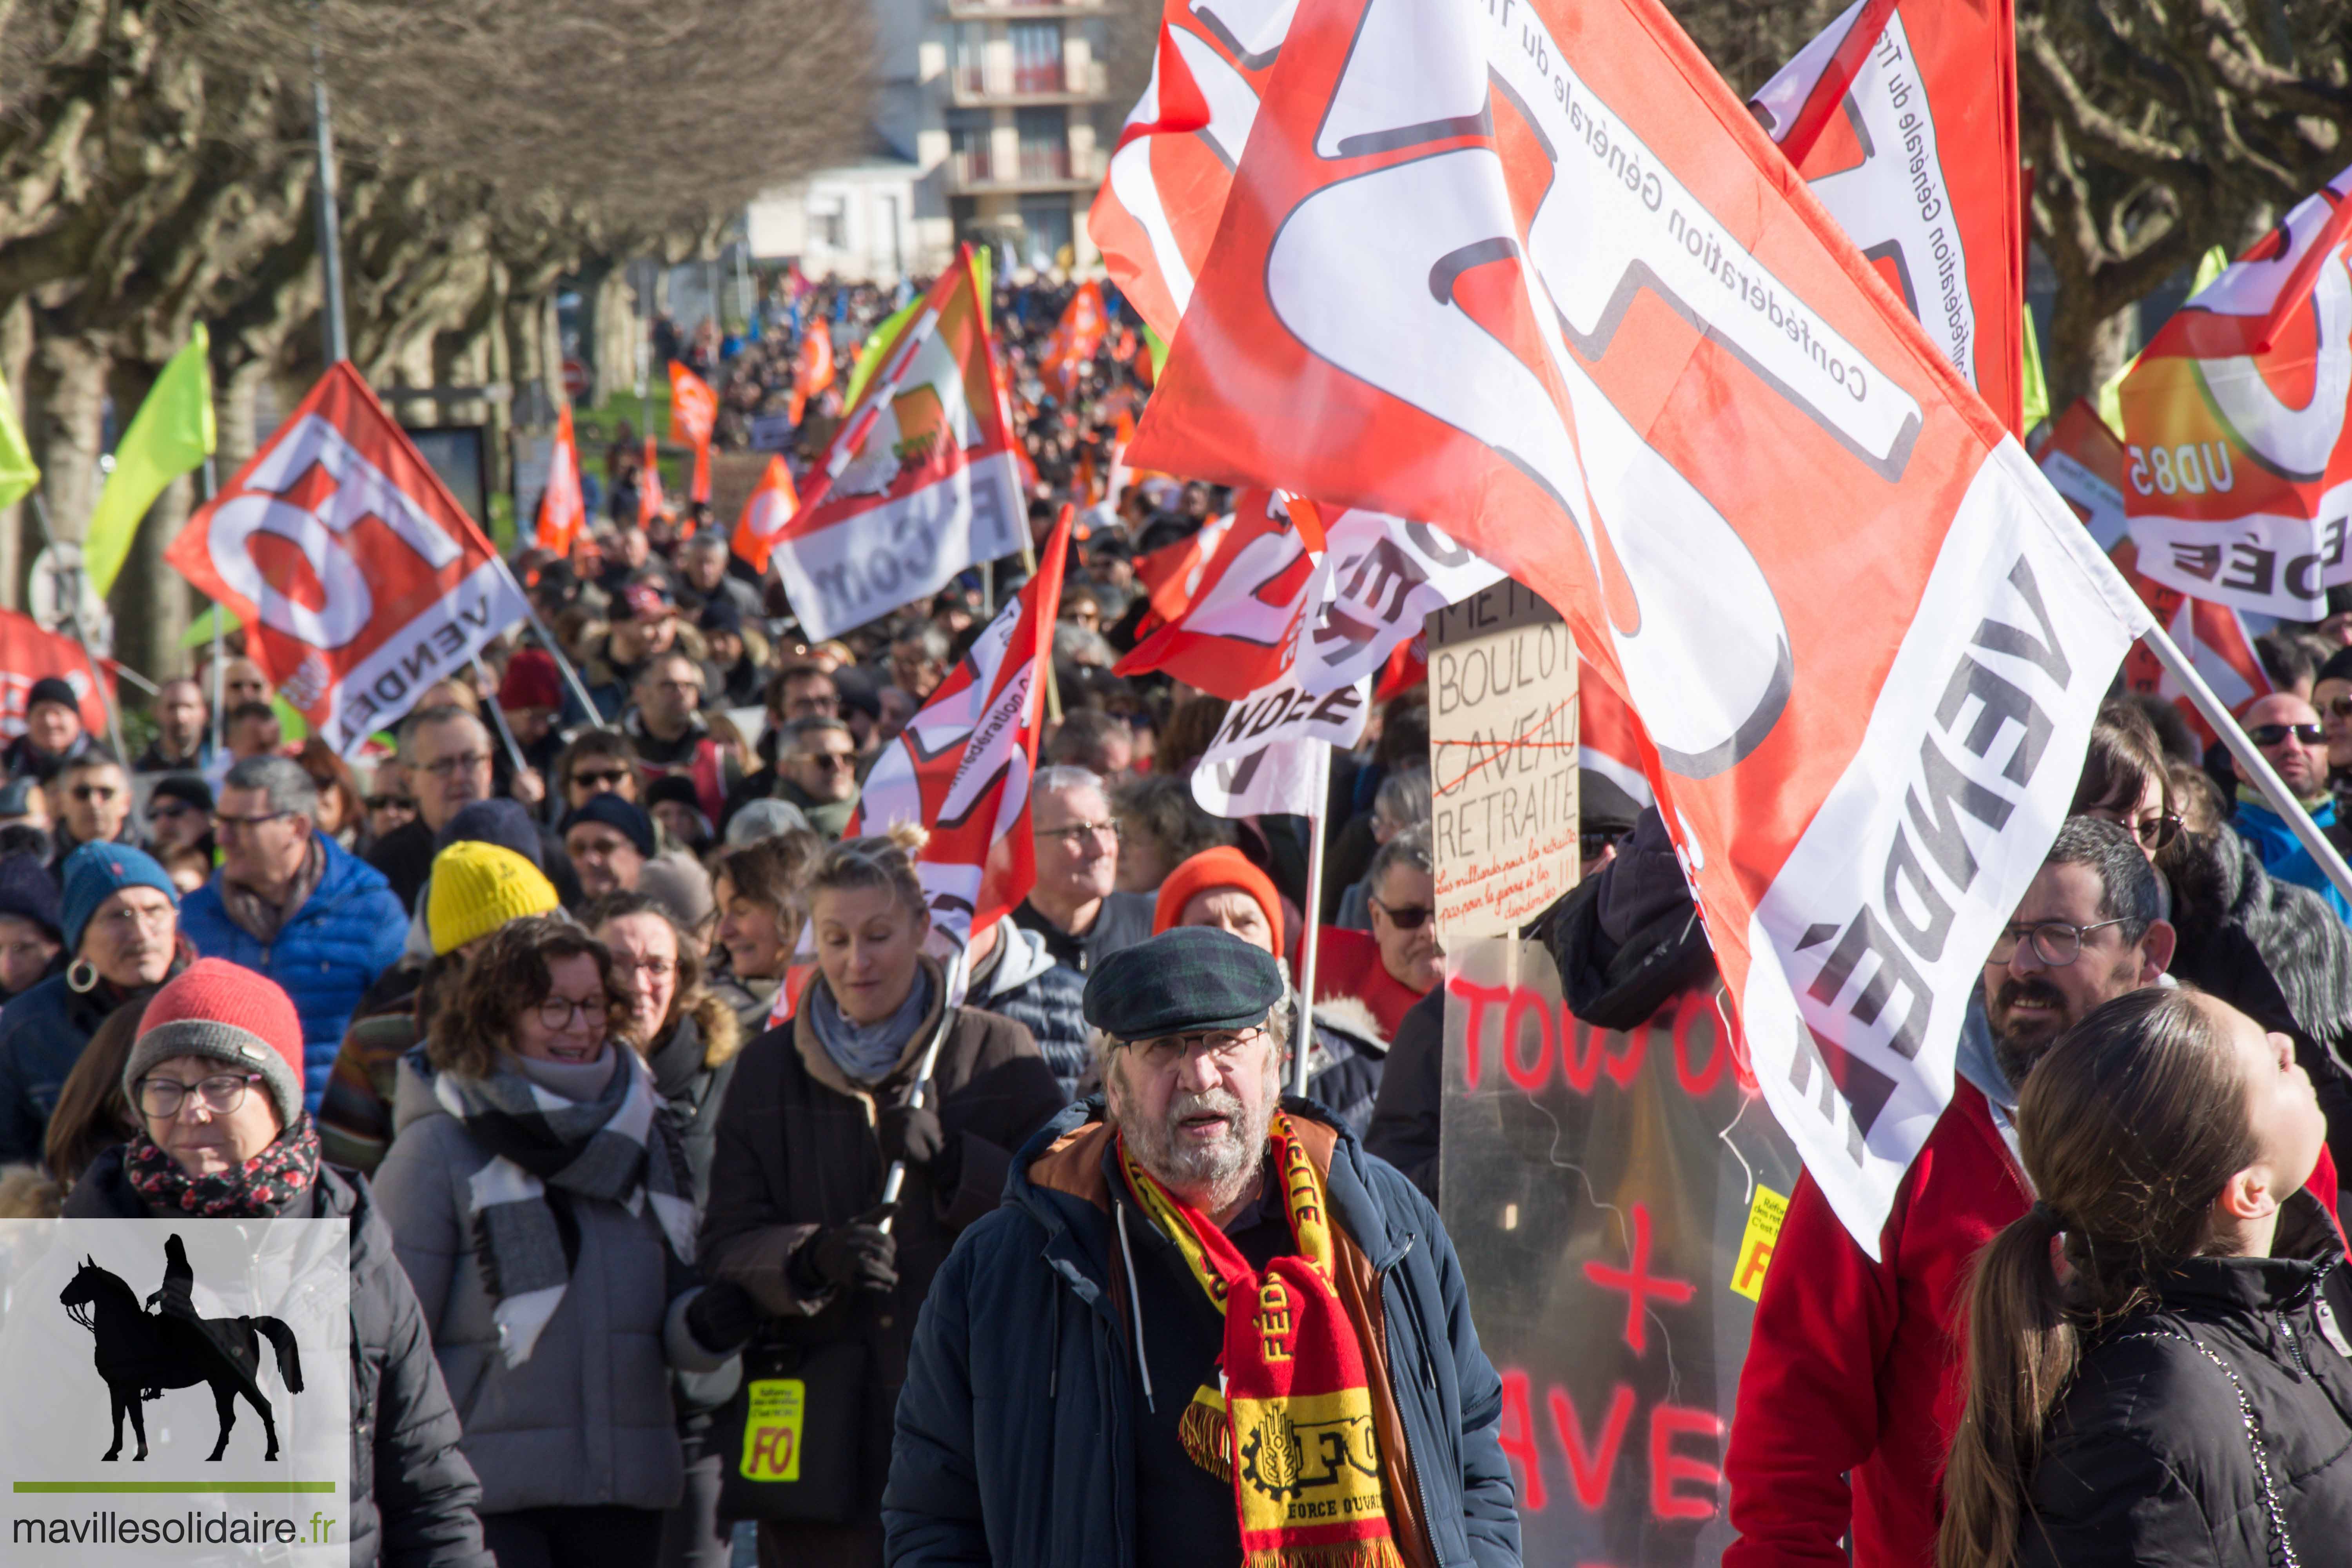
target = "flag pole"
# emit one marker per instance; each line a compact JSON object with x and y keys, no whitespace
{"x":81,"y":636}
{"x":212,"y":487}
{"x":2252,"y":763}
{"x":498,"y":718}
{"x":1302,"y":1044}
{"x":531,"y":612}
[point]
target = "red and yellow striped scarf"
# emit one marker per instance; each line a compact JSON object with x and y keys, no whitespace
{"x":1292,"y":1428}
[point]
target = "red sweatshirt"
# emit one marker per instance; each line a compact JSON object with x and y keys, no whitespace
{"x":1857,"y":1366}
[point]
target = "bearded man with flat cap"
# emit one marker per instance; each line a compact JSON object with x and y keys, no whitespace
{"x":1206,"y":1328}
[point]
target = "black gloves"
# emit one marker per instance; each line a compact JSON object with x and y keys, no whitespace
{"x":916,"y":1137}
{"x":859,"y":1256}
{"x":722,"y":1316}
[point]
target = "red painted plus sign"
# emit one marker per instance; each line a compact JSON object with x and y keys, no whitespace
{"x":1639,"y":1283}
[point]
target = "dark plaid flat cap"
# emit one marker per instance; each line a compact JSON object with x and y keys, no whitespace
{"x":1182,"y":981}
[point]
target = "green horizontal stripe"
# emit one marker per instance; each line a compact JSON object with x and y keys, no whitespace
{"x":191,"y":1487}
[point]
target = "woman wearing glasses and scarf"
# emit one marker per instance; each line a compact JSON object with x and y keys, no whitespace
{"x":215,"y":1081}
{"x":541,"y":1204}
{"x":818,"y":1111}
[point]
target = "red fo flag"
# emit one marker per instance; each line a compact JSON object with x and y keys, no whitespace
{"x":2085,"y":463}
{"x":562,"y":514}
{"x":961,"y":767}
{"x":919,"y":480}
{"x":360,"y":580}
{"x":1172,"y":574}
{"x":693,"y":413}
{"x":1548,"y":286}
{"x":1074,"y":341}
{"x":1903,"y":118}
{"x":29,"y":652}
{"x":772,"y":506}
{"x":1157,"y":212}
{"x":651,"y":501}
{"x":2239,"y":472}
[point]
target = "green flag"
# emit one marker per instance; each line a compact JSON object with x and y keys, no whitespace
{"x":172,"y":434}
{"x":18,"y":472}
{"x":1159,"y":348}
{"x":877,"y":344}
{"x":2037,"y":390}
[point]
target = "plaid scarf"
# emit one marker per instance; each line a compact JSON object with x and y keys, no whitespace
{"x":261,"y":1188}
{"x":617,"y":1147}
{"x":1291,"y":1424}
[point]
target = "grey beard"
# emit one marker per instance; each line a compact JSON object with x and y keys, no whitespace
{"x":1209,"y":1179}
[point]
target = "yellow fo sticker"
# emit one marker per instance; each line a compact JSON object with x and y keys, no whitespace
{"x":1764,"y":1218}
{"x":772,"y":1430}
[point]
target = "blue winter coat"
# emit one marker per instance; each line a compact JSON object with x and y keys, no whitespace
{"x":345,"y":934}
{"x":2283,"y":854}
{"x":1015,"y":1427}
{"x":42,"y":1034}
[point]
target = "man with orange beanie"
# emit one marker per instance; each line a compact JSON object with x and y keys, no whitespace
{"x":1221,"y":888}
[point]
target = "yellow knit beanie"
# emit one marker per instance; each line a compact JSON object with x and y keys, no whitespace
{"x":478,"y":888}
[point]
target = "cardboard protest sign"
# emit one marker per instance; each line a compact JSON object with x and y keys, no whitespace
{"x":359,"y":578}
{"x":1503,"y":750}
{"x":1615,"y":1197}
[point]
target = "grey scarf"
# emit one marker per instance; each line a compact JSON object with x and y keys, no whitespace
{"x":616,"y":1147}
{"x":866,"y":1052}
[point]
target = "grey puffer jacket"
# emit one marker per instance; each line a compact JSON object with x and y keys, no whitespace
{"x":1044,"y":997}
{"x":588,"y":1420}
{"x":413,"y":1494}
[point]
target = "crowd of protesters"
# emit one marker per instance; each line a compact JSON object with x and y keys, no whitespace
{"x":581,"y":999}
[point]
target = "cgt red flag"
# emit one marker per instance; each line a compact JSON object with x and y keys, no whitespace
{"x":772,"y":506}
{"x":2085,"y":462}
{"x":918,"y":482}
{"x":1902,"y":119}
{"x":693,"y":414}
{"x":1232,"y":634}
{"x":961,"y":767}
{"x":360,"y":579}
{"x":563,"y":516}
{"x":1074,"y":341}
{"x":1157,"y":212}
{"x":29,"y":652}
{"x":1548,"y":286}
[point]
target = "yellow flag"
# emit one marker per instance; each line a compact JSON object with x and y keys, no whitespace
{"x":172,"y":434}
{"x":18,"y":472}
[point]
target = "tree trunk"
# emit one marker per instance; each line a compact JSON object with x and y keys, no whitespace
{"x":68,"y":409}
{"x":152,"y":602}
{"x":609,"y":313}
{"x":2086,"y":349}
{"x":16,"y":522}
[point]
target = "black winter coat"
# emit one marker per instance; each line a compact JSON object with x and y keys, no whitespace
{"x":797,"y":1150}
{"x":413,"y":1494}
{"x":2148,"y":1461}
{"x":1015,"y":1441}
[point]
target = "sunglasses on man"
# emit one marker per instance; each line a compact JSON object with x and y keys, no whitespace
{"x":2277,"y":734}
{"x":1406,"y":917}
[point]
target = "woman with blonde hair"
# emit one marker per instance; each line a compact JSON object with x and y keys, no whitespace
{"x":819,"y":1111}
{"x":2157,"y":1368}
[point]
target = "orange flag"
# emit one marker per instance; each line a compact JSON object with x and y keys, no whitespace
{"x":770,"y":507}
{"x":813,"y":371}
{"x":562,"y":515}
{"x":693,"y":411}
{"x":1076,"y":338}
{"x":650,"y":499}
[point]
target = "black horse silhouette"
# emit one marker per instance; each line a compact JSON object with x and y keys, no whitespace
{"x":141,"y":1354}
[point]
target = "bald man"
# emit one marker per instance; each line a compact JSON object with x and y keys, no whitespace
{"x":2286,"y":730}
